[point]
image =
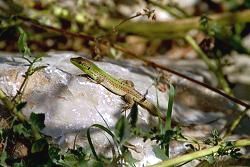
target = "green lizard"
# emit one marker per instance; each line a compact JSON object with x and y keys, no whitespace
{"x":117,"y":86}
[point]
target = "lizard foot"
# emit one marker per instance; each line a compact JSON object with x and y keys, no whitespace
{"x":125,"y":107}
{"x":83,"y":75}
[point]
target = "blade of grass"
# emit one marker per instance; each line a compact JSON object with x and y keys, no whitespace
{"x":198,"y":154}
{"x":171,"y":95}
{"x":90,"y":140}
{"x":235,"y":123}
{"x":133,"y":115}
{"x":117,"y":147}
{"x":160,"y":121}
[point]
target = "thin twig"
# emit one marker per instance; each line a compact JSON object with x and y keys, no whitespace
{"x":127,"y":19}
{"x":21,"y":89}
{"x":54,"y":29}
{"x":213,"y":67}
{"x":151,"y":63}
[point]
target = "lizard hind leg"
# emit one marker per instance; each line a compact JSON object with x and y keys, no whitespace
{"x":128,"y":82}
{"x":129,"y":102}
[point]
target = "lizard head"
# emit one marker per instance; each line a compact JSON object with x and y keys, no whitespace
{"x":85,"y":65}
{"x":82,"y":63}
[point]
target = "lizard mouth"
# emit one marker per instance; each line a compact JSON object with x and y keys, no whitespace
{"x":75,"y":60}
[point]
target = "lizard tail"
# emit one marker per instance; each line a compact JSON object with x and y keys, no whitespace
{"x":153,"y":110}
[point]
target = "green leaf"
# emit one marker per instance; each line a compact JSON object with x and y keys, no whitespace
{"x":122,"y":129}
{"x":235,"y":153}
{"x":133,"y":115}
{"x":3,"y":157}
{"x":21,"y":105}
{"x":227,"y":37}
{"x":204,"y":22}
{"x":1,"y":133}
{"x":13,"y":7}
{"x":22,"y":129}
{"x":54,"y":154}
{"x":39,"y":56}
{"x":75,"y":158}
{"x":93,"y":163}
{"x":19,"y":164}
{"x":171,"y":95}
{"x":69,"y":160}
{"x":33,"y":70}
{"x":210,"y":159}
{"x":22,"y":42}
{"x":39,"y":145}
{"x":37,"y":120}
{"x":38,"y":68}
{"x":129,"y":158}
{"x":247,"y":4}
{"x":159,"y":153}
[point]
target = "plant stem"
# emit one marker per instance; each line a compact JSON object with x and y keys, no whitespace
{"x":10,"y":105}
{"x":20,"y":90}
{"x":155,"y":65}
{"x":198,"y":154}
{"x":212,"y":66}
{"x":174,"y":28}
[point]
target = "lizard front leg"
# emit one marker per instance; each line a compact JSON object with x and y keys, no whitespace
{"x":97,"y":80}
{"x":87,"y":76}
{"x":94,"y":78}
{"x":84,"y":75}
